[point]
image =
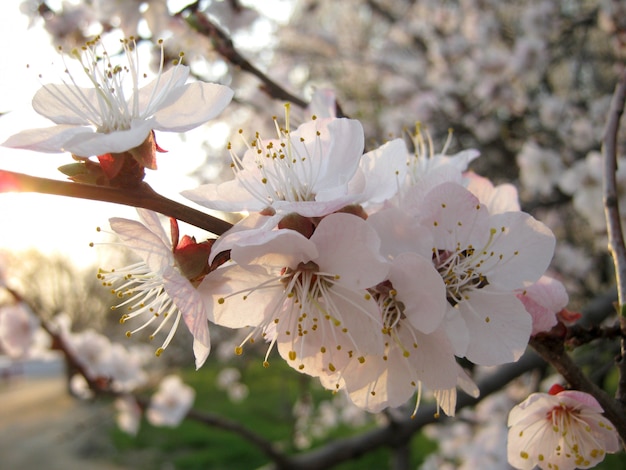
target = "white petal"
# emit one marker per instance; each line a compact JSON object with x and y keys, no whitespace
{"x":526,"y":246}
{"x":48,"y":139}
{"x":349,"y":247}
{"x":499,"y":327}
{"x":230,"y":196}
{"x":67,"y":104}
{"x":384,"y":168}
{"x":197,"y":103}
{"x":143,"y":242}
{"x":98,"y":143}
{"x":191,"y":306}
{"x":151,"y":220}
{"x":343,"y":141}
{"x":421,"y":290}
{"x":159,"y":92}
{"x":401,"y":233}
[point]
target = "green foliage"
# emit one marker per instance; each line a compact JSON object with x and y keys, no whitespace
{"x":267,"y":411}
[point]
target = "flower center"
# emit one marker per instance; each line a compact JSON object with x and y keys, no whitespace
{"x":287,"y":170}
{"x":461,"y":271}
{"x":145,"y":295}
{"x":109,"y":106}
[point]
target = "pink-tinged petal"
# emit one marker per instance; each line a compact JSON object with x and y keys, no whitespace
{"x":455,"y":217}
{"x":498,"y":325}
{"x":383,"y":170}
{"x":523,"y":249}
{"x":578,"y":399}
{"x":331,"y":341}
{"x":421,"y":290}
{"x":67,"y":104}
{"x":543,"y":300}
{"x":400,"y":233}
{"x":47,"y":139}
{"x":349,"y":247}
{"x":98,"y":143}
{"x":275,"y":249}
{"x":230,"y":196}
{"x":151,"y":220}
{"x":498,"y":199}
{"x":229,"y":300}
{"x":197,"y":103}
{"x":144,"y":242}
{"x":191,"y":306}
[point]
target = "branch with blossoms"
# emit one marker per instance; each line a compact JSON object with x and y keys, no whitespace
{"x":379,"y":273}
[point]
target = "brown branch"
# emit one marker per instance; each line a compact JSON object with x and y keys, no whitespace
{"x":613,"y":221}
{"x":224,"y":46}
{"x":143,"y":196}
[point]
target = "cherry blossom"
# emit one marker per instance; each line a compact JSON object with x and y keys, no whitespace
{"x":107,"y":119}
{"x":162,"y":285}
{"x":306,"y":296}
{"x":482,"y":259}
{"x":562,"y":429}
{"x":170,"y":404}
{"x":306,"y":171}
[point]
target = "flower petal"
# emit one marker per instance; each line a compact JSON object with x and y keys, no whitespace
{"x":499,"y":327}
{"x":191,"y":306}
{"x":144,"y":242}
{"x":195,"y":104}
{"x":47,"y":139}
{"x":67,"y":104}
{"x":98,"y":143}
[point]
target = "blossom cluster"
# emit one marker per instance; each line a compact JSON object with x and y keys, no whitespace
{"x":373,"y":270}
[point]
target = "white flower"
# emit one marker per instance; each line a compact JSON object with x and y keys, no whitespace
{"x":306,"y":171}
{"x":159,"y":287}
{"x":483,"y":258}
{"x":306,"y":296}
{"x":107,"y":118}
{"x":170,"y":404}
{"x":564,"y":429}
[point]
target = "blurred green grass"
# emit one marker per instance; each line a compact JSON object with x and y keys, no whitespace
{"x":267,"y":410}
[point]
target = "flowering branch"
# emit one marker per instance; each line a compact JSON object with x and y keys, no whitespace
{"x":142,"y":196}
{"x":613,"y":220}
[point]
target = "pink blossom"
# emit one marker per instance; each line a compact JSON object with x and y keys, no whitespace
{"x":543,"y":300}
{"x":562,"y":429}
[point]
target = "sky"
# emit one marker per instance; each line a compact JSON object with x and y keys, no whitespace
{"x":56,"y":224}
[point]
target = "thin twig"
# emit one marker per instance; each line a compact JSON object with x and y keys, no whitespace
{"x":613,"y":220}
{"x":224,"y":46}
{"x":143,"y":196}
